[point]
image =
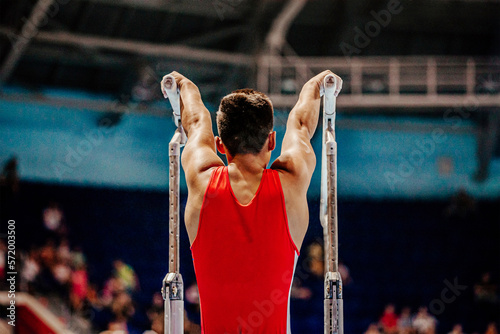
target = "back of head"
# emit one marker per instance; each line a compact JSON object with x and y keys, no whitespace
{"x":244,"y":121}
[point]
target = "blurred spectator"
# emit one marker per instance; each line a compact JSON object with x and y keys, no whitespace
{"x":485,"y":291}
{"x":3,"y":261}
{"x":192,"y":305}
{"x":492,"y":329}
{"x":9,"y":189}
{"x":461,"y":206}
{"x":117,"y":327}
{"x":486,"y":299}
{"x":30,"y":268}
{"x":300,"y":292}
{"x":10,"y":177}
{"x":92,"y":297}
{"x":51,"y":279}
{"x":308,"y":288}
{"x":112,"y":288}
{"x":79,"y":286}
{"x":344,"y":273}
{"x":64,"y":251}
{"x":155,"y":314}
{"x":389,"y":320}
{"x":62,"y":273}
{"x":373,"y":329}
{"x":315,"y":255}
{"x":405,"y":325}
{"x":53,"y":220}
{"x":126,"y":274}
{"x":77,"y":257}
{"x":191,"y":327}
{"x":122,"y":308}
{"x":423,"y":322}
{"x":457,"y":329}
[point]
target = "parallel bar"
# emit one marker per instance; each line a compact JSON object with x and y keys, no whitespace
{"x":173,"y":185}
{"x":333,"y":305}
{"x":173,"y":285}
{"x":331,"y":252}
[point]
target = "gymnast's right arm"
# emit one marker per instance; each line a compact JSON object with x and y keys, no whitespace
{"x":199,"y":154}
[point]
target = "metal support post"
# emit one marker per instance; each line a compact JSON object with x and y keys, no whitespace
{"x":333,"y":303}
{"x":173,"y":287}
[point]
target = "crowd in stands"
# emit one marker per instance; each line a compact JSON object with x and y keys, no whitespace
{"x":421,"y":322}
{"x":55,"y":271}
{"x":485,"y":305}
{"x":58,"y":274}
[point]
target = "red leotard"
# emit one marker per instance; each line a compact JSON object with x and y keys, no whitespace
{"x":244,"y":258}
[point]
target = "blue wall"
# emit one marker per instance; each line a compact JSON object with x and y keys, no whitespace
{"x":378,"y":157}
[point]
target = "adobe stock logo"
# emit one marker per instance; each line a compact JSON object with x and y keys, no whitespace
{"x":371,"y":29}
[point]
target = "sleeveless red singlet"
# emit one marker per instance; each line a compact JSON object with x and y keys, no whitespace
{"x":244,"y":258}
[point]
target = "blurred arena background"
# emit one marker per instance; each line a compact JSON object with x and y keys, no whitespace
{"x":84,"y":135}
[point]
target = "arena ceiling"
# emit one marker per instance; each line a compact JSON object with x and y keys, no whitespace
{"x":109,"y":45}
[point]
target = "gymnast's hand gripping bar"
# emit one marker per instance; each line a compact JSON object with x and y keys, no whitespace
{"x":333,"y":303}
{"x":173,"y":286}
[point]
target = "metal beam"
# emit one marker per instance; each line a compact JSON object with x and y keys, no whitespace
{"x":404,"y":105}
{"x":389,"y":82}
{"x":276,"y":41}
{"x":408,"y":102}
{"x":39,"y":14}
{"x":49,"y":54}
{"x":139,"y":48}
{"x":276,"y":37}
{"x":88,"y":103}
{"x":144,"y":48}
{"x":232,"y":9}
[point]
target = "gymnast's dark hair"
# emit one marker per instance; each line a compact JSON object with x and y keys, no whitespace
{"x":244,"y":121}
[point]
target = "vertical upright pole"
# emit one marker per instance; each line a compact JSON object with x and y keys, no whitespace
{"x":333,"y":303}
{"x":173,"y":287}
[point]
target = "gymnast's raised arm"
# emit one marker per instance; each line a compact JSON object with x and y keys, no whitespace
{"x":199,"y":154}
{"x":297,"y":155}
{"x":297,"y":160}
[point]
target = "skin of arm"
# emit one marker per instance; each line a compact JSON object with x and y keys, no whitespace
{"x":199,"y":156}
{"x":297,"y":160}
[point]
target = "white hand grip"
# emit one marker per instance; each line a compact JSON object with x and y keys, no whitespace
{"x":331,"y":88}
{"x":170,"y":91}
